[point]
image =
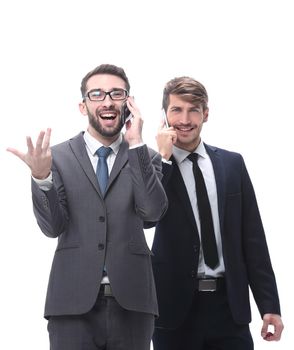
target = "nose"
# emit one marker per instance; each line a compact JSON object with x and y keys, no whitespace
{"x":185,"y":119}
{"x":107,"y":102}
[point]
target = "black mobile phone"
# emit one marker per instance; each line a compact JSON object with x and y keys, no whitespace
{"x":125,"y":114}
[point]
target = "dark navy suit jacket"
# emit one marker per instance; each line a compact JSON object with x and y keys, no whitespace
{"x":246,"y":257}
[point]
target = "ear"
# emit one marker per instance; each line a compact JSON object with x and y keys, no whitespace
{"x":83,"y":109}
{"x":205,"y":115}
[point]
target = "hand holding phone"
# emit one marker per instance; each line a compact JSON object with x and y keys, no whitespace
{"x":131,"y":116}
{"x":166,"y":137}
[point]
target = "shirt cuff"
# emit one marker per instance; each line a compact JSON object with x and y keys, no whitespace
{"x":44,"y":184}
{"x":137,"y":145}
{"x":166,"y":161}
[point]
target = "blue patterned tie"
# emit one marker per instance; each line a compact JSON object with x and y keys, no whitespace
{"x":102,"y":168}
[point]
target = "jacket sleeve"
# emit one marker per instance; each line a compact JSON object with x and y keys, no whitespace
{"x":260,"y":272}
{"x":146,"y":172}
{"x":50,"y":207}
{"x":165,"y":176}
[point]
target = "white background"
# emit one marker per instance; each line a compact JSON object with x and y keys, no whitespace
{"x":242,"y":51}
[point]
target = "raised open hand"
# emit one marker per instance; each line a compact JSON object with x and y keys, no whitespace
{"x":38,"y":158}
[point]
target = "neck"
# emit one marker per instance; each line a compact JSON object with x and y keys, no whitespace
{"x":105,"y":140}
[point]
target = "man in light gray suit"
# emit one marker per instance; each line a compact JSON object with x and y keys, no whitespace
{"x":101,"y":292}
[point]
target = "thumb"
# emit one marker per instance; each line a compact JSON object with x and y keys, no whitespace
{"x":264,"y":329}
{"x":16,"y":152}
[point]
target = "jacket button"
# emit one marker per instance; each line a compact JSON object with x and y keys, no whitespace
{"x":100,"y":246}
{"x":193,"y":274}
{"x":101,"y":218}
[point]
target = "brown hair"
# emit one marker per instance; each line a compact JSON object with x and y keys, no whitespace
{"x":105,"y":69}
{"x":189,"y":90}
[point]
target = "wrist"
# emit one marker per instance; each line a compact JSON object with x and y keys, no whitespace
{"x":40,"y":176}
{"x":165,"y":155}
{"x":135,"y":142}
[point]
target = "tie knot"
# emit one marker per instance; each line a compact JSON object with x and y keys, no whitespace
{"x":103,"y":151}
{"x":193,"y":157}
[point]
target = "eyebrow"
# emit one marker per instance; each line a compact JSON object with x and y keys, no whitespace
{"x":180,"y":107}
{"x":114,"y":88}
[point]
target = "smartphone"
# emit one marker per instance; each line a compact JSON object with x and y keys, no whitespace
{"x":126,"y":115}
{"x":165,"y":118}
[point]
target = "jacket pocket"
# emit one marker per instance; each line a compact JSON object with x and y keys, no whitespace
{"x":67,"y":246}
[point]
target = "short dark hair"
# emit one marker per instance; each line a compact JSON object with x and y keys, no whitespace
{"x":188,"y":88}
{"x":105,"y":69}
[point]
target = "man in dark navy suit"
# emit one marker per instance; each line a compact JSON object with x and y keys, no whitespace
{"x":203,"y":305}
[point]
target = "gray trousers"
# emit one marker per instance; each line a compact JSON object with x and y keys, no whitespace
{"x":107,"y":326}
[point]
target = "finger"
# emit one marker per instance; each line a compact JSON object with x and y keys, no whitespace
{"x":131,"y":102}
{"x":30,"y":145}
{"x":278,"y":331}
{"x":16,"y":152}
{"x":128,"y":124}
{"x":46,"y":142}
{"x":264,"y":329}
{"x":268,"y":336}
{"x":133,"y":108}
{"x":174,"y":138}
{"x":39,"y":142}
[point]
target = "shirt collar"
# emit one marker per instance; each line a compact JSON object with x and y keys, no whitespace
{"x":181,"y":154}
{"x":94,"y":144}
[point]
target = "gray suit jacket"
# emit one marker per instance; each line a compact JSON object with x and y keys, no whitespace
{"x":94,"y":231}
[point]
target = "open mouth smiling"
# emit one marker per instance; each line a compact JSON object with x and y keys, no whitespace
{"x":108,"y":116}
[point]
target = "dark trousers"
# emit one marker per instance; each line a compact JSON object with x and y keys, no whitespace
{"x":107,"y":326}
{"x":208,"y":326}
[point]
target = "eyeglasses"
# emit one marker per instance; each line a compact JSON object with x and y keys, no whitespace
{"x":100,"y":95}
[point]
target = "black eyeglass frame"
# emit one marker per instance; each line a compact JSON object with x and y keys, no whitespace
{"x":87,"y":95}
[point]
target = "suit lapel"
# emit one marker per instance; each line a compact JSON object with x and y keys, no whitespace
{"x":78,"y":147}
{"x":120,"y":161}
{"x":219,"y":172}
